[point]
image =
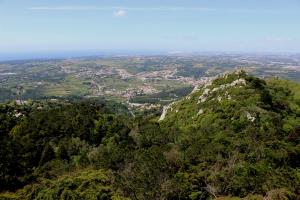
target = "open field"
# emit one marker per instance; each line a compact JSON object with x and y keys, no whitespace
{"x":134,"y":77}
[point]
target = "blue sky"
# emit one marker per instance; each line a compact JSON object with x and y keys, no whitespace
{"x":156,"y":25}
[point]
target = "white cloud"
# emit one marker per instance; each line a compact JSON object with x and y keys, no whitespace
{"x":68,"y":8}
{"x":119,"y":13}
{"x":149,"y":9}
{"x":119,"y":9}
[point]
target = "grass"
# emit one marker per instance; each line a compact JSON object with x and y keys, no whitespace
{"x":71,"y":86}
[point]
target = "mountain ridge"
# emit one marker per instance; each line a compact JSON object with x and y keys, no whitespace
{"x":238,"y":124}
{"x":235,"y":137}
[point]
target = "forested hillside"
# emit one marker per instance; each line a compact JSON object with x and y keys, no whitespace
{"x":235,"y":137}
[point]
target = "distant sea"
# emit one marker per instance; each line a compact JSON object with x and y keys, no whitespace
{"x":72,"y":54}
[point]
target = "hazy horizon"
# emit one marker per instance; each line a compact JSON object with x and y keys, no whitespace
{"x":112,"y":53}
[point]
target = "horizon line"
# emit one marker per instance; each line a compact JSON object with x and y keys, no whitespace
{"x":13,"y":57}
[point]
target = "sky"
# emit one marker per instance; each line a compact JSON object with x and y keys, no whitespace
{"x":35,"y":26}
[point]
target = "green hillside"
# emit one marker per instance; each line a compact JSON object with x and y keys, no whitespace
{"x":239,"y":134}
{"x":235,"y":137}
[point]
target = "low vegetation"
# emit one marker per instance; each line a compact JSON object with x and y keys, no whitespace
{"x":237,"y":137}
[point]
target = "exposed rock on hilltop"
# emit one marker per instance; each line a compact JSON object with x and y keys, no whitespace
{"x":231,"y":97}
{"x":239,"y":135}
